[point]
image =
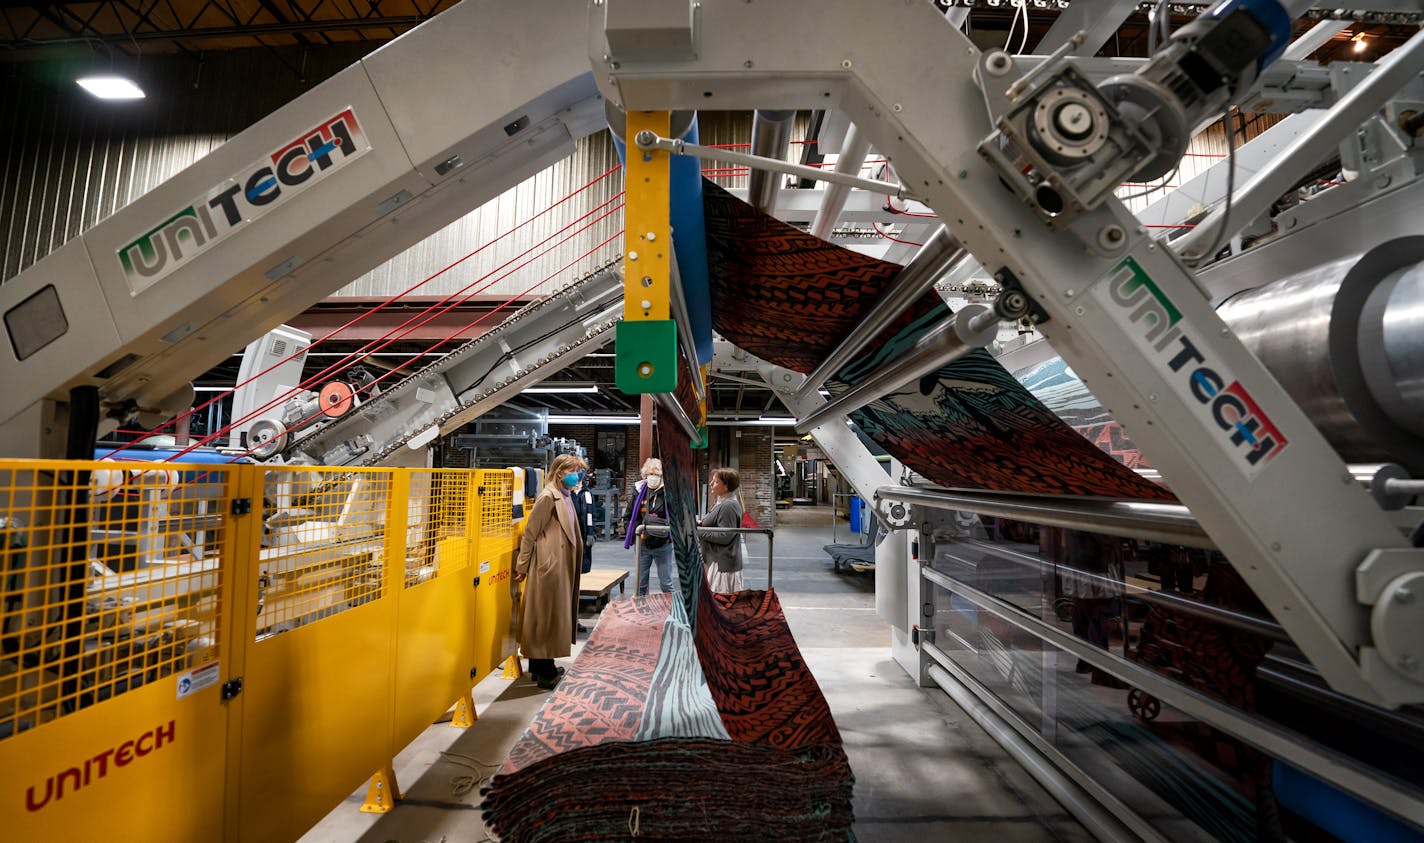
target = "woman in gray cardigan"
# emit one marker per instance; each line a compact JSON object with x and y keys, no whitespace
{"x":723,"y":554}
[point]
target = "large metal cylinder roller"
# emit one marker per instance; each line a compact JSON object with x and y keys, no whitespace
{"x":1346,"y":340}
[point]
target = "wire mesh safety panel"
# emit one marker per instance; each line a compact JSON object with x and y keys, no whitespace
{"x":323,"y":553}
{"x":436,"y":538}
{"x":111,"y":576}
{"x":496,"y":490}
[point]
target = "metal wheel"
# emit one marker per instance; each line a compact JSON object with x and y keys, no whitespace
{"x":1143,"y":706}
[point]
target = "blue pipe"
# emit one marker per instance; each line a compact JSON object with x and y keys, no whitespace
{"x":1337,"y":812}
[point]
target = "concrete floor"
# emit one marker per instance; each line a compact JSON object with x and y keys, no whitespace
{"x":924,"y":771}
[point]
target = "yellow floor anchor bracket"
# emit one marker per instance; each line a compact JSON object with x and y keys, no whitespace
{"x":512,"y":668}
{"x":464,"y":716}
{"x":382,"y":793}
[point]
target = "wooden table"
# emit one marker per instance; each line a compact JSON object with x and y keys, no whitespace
{"x":597,"y":585}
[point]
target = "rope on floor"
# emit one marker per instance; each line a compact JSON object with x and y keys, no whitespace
{"x":463,"y":784}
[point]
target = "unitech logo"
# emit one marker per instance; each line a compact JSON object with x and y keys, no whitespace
{"x":254,"y":191}
{"x":91,"y":770}
{"x":1251,"y":434}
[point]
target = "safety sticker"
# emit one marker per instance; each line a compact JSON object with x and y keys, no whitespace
{"x":484,"y":567}
{"x":197,"y":679}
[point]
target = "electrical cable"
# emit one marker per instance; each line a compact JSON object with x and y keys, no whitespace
{"x":1159,"y":28}
{"x":1020,"y":11}
{"x":1151,"y":190}
{"x":888,"y":236}
{"x":1023,"y":43}
{"x":1223,"y":230}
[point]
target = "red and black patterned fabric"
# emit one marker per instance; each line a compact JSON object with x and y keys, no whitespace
{"x":790,"y":298}
{"x":658,"y":732}
{"x":757,"y":677}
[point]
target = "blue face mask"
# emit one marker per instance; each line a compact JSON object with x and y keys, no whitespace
{"x":571,"y":480}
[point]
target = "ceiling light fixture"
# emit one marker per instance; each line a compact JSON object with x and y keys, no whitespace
{"x":1360,"y":43}
{"x":111,"y":87}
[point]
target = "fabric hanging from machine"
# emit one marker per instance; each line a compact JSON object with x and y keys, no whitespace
{"x":686,"y":716}
{"x":790,"y":298}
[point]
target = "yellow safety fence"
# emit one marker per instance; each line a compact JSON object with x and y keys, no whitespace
{"x":205,"y":652}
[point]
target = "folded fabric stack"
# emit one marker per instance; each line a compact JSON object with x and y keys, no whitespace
{"x":638,"y":741}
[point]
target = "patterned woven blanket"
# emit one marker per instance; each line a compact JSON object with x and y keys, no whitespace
{"x":638,"y":742}
{"x":790,"y":298}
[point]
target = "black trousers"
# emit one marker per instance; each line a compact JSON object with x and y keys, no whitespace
{"x":542,"y":668}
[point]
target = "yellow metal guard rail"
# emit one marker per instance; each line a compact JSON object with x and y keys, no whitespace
{"x":205,"y":652}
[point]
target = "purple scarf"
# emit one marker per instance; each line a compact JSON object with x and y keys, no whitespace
{"x":633,"y":515}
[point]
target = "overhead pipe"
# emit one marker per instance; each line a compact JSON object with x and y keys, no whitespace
{"x":940,"y":252}
{"x":853,"y":151}
{"x":649,"y":140}
{"x":973,"y":327}
{"x":771,"y":138}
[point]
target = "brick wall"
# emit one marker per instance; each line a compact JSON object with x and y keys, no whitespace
{"x":757,"y":473}
{"x":451,"y":457}
{"x":580,"y":433}
{"x":630,"y":459}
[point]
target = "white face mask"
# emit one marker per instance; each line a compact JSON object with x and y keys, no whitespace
{"x":654,"y":481}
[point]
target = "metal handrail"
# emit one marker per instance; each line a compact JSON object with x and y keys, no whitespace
{"x":1220,"y":614}
{"x":1326,"y":764}
{"x":1159,"y":522}
{"x":666,"y":530}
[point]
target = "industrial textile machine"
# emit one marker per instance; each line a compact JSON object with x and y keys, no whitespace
{"x":1276,"y":390}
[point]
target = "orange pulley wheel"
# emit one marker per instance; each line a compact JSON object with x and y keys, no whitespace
{"x":336,"y":399}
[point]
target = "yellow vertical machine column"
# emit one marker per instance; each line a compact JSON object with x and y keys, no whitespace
{"x":243,"y":569}
{"x":645,"y":341}
{"x":382,"y":792}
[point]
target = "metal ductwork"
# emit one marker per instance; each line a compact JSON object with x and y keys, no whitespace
{"x":771,"y":138}
{"x":853,"y":151}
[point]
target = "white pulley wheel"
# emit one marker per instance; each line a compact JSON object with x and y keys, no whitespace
{"x":266,"y":438}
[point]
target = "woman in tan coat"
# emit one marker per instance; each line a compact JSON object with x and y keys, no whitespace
{"x":548,"y":565}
